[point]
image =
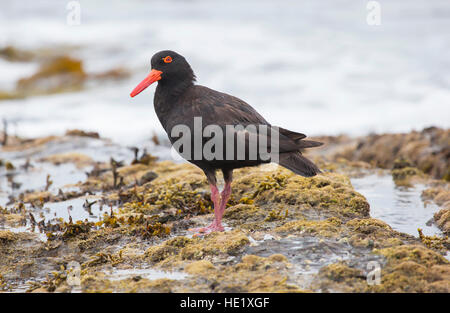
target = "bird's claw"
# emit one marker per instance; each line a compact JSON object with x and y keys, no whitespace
{"x":202,"y":231}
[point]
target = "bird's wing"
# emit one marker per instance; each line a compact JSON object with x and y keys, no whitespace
{"x":222,"y":109}
{"x":217,"y":108}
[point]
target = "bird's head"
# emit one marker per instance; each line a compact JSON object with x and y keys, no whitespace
{"x":169,"y":69}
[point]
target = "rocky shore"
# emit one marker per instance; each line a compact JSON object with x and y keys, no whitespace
{"x":79,"y":212}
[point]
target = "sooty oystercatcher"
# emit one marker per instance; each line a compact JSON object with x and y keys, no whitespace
{"x":196,"y":112}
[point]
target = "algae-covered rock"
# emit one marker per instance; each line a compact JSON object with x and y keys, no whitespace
{"x":112,"y":74}
{"x":78,"y":159}
{"x":439,"y":193}
{"x":340,"y":272}
{"x":9,"y":166}
{"x":404,"y":176}
{"x":325,"y":228}
{"x":215,"y":244}
{"x":329,"y":194}
{"x":244,"y":213}
{"x":56,"y":75}
{"x":14,"y":54}
{"x":231,"y":243}
{"x":408,"y":268}
{"x":415,"y":253}
{"x":38,"y":196}
{"x":13,"y":219}
{"x":20,"y":144}
{"x":442,"y":219}
{"x":7,"y":236}
{"x":252,"y":274}
{"x":434,"y":242}
{"x":413,"y":268}
{"x":284,"y":233}
{"x":8,"y":95}
{"x":427,"y":150}
{"x":373,"y":233}
{"x":342,"y":278}
{"x":82,"y":133}
{"x":148,"y":177}
{"x":199,"y":267}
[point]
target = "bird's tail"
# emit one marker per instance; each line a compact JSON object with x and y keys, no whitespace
{"x":297,"y":163}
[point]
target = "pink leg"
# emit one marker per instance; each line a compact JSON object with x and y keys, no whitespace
{"x":216,"y":224}
{"x":219,"y":200}
{"x":226,"y":193}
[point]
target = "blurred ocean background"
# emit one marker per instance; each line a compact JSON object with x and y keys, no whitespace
{"x":311,"y":66}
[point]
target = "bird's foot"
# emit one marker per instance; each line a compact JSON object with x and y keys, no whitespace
{"x":201,"y":231}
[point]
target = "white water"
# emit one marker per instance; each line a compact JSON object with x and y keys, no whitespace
{"x":312,"y":66}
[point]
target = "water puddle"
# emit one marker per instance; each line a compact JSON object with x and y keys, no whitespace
{"x":309,"y":254}
{"x":148,"y":273}
{"x":20,"y":229}
{"x":37,"y":178}
{"x":89,"y":208}
{"x":80,"y":209}
{"x":400,"y":207}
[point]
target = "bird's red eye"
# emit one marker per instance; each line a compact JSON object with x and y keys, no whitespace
{"x":167,"y":59}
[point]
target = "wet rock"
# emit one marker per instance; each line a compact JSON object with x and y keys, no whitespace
{"x":401,"y":164}
{"x":440,"y":194}
{"x":13,"y":54}
{"x":8,"y":95}
{"x":82,"y":133}
{"x":56,"y":75}
{"x":80,"y":160}
{"x":7,"y":236}
{"x":408,"y":268}
{"x":288,"y":233}
{"x":413,"y":268}
{"x":148,"y":177}
{"x":199,"y":267}
{"x":374,"y":233}
{"x":198,"y":248}
{"x":243,"y":214}
{"x":428,"y":150}
{"x":341,"y":273}
{"x":37,"y":196}
{"x":434,"y":242}
{"x":13,"y":220}
{"x":9,"y":166}
{"x":40,"y":290}
{"x":329,"y":194}
{"x":20,"y":144}
{"x":229,"y":243}
{"x":113,"y":74}
{"x":325,"y":228}
{"x":404,"y":176}
{"x":442,"y":219}
{"x":252,"y":274}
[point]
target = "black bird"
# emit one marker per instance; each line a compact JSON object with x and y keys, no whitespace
{"x":178,"y":101}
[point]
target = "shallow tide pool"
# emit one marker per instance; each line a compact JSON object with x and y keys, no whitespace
{"x":401,"y":207}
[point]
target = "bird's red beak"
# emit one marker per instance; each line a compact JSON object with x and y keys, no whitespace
{"x":154,"y":76}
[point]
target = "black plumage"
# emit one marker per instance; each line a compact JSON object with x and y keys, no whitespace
{"x":178,"y":101}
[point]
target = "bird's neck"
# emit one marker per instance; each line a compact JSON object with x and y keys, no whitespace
{"x":168,"y":96}
{"x":170,"y":91}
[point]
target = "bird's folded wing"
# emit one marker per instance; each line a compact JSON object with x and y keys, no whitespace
{"x":221,"y":109}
